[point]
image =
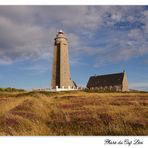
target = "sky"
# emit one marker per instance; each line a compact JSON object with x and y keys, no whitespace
{"x":102,"y":40}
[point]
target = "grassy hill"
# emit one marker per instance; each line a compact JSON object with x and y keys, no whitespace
{"x":73,"y":113}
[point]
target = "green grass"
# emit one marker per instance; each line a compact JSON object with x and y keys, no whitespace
{"x":9,"y":89}
{"x":73,"y":113}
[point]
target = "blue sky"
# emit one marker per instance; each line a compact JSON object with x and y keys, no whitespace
{"x":102,"y":40}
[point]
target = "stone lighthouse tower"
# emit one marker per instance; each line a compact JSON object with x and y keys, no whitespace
{"x":61,"y":68}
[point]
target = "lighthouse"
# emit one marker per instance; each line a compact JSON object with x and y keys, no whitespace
{"x":60,"y":66}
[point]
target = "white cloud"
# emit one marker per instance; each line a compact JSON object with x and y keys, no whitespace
{"x":5,"y":61}
{"x":27,"y":32}
{"x":39,"y":68}
{"x":74,"y":40}
{"x":134,"y":33}
{"x":145,"y":20}
{"x":116,"y":17}
{"x":146,"y":61}
{"x":23,"y":41}
{"x":76,"y":61}
{"x":139,"y":85}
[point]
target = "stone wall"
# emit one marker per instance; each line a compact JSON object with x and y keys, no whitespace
{"x":61,"y":67}
{"x":125,"y":83}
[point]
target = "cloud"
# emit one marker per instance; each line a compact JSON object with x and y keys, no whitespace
{"x":76,"y":61}
{"x":146,"y":61}
{"x":36,"y":68}
{"x":27,"y":32}
{"x":23,"y":41}
{"x":139,"y":85}
{"x":74,"y":41}
{"x":5,"y":61}
{"x":76,"y":17}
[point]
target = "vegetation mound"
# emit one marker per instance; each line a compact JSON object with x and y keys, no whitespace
{"x":73,"y":113}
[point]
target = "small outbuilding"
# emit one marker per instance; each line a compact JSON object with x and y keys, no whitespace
{"x":109,"y":82}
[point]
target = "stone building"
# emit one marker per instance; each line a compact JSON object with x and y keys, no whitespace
{"x":60,"y":67}
{"x":111,"y":82}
